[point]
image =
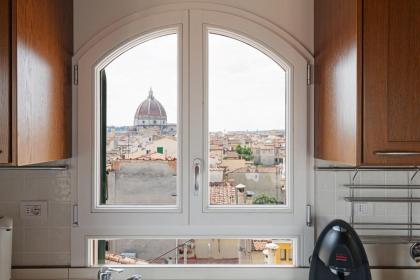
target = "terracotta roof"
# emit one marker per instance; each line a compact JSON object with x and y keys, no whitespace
{"x":222,"y":193}
{"x":259,"y":245}
{"x":216,"y":169}
{"x":112,"y":258}
{"x":257,"y":169}
{"x":231,"y":155}
{"x":215,"y":147}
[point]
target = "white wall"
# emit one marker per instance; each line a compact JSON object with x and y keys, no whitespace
{"x":293,"y":16}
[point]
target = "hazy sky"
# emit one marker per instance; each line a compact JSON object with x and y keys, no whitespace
{"x":246,"y":88}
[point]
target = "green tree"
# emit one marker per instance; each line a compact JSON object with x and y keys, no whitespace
{"x":244,"y":152}
{"x":238,"y":149}
{"x":265,"y":199}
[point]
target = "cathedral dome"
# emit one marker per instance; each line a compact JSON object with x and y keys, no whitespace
{"x":150,"y":112}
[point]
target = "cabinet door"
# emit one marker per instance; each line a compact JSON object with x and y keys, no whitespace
{"x":391,"y":77}
{"x":5,"y":78}
{"x":337,"y":87}
{"x":44,"y":46}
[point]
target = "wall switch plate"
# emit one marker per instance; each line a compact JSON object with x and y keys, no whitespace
{"x":35,"y":209}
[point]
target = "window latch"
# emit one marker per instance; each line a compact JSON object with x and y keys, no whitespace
{"x":308,"y":215}
{"x":75,"y":215}
{"x":197,"y":175}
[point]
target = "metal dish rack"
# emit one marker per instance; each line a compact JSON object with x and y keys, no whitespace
{"x":410,"y":227}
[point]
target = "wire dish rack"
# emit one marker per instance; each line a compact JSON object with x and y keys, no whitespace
{"x":378,"y":232}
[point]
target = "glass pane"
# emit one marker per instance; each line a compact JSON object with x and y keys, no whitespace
{"x":140,"y":165}
{"x":252,"y":251}
{"x":247,"y":125}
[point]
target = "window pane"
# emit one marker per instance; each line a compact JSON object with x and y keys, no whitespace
{"x":247,"y":125}
{"x":194,"y":251}
{"x":141,"y":125}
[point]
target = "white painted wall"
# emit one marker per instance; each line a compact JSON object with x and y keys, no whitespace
{"x":293,"y":16}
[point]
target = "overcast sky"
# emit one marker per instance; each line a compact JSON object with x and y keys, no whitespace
{"x":246,"y":88}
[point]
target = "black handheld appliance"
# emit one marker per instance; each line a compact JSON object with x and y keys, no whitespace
{"x":339,"y":254}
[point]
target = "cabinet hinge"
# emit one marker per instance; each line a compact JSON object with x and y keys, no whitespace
{"x":75,"y":215}
{"x":75,"y":74}
{"x":309,"y":74}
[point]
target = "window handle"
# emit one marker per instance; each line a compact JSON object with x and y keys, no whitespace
{"x":197,"y":175}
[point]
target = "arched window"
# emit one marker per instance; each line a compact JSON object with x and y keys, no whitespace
{"x":129,"y":102}
{"x":246,"y":113}
{"x":231,"y":156}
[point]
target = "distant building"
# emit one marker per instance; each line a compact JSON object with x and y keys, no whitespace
{"x":268,"y":155}
{"x":231,"y":155}
{"x":216,"y":174}
{"x":166,"y":146}
{"x":151,"y":117}
{"x":267,"y":180}
{"x":264,"y":155}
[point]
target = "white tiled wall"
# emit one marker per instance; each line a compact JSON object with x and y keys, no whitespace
{"x":48,"y":243}
{"x":35,"y":243}
{"x":330,"y":204}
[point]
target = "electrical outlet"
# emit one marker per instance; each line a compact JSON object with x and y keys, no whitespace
{"x":33,"y":209}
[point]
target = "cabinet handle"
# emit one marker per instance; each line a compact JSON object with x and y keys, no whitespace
{"x":1,"y":151}
{"x":396,"y":153}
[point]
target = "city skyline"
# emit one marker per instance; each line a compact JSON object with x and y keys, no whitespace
{"x":237,"y":73}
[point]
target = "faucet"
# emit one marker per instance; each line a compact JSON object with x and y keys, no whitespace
{"x":135,"y":277}
{"x":105,"y":272}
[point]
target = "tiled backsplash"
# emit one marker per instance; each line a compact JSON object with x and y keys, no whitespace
{"x":38,"y":243}
{"x":330,"y":204}
{"x":47,"y":243}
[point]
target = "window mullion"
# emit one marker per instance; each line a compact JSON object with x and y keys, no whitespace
{"x":196,"y":113}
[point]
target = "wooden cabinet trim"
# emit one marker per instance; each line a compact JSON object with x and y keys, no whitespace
{"x":5,"y":81}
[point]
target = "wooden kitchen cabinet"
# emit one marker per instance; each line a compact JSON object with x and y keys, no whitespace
{"x":367,"y":81}
{"x":36,"y":46}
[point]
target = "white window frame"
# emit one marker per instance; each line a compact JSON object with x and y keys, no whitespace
{"x":96,"y":206}
{"x":207,"y":29}
{"x":293,"y":215}
{"x":91,"y":221}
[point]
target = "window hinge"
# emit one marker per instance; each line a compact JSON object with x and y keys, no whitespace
{"x":309,"y":74}
{"x":75,"y":215}
{"x":308,"y":215}
{"x":75,"y":74}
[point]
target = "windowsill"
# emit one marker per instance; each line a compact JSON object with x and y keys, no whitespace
{"x":167,"y":273}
